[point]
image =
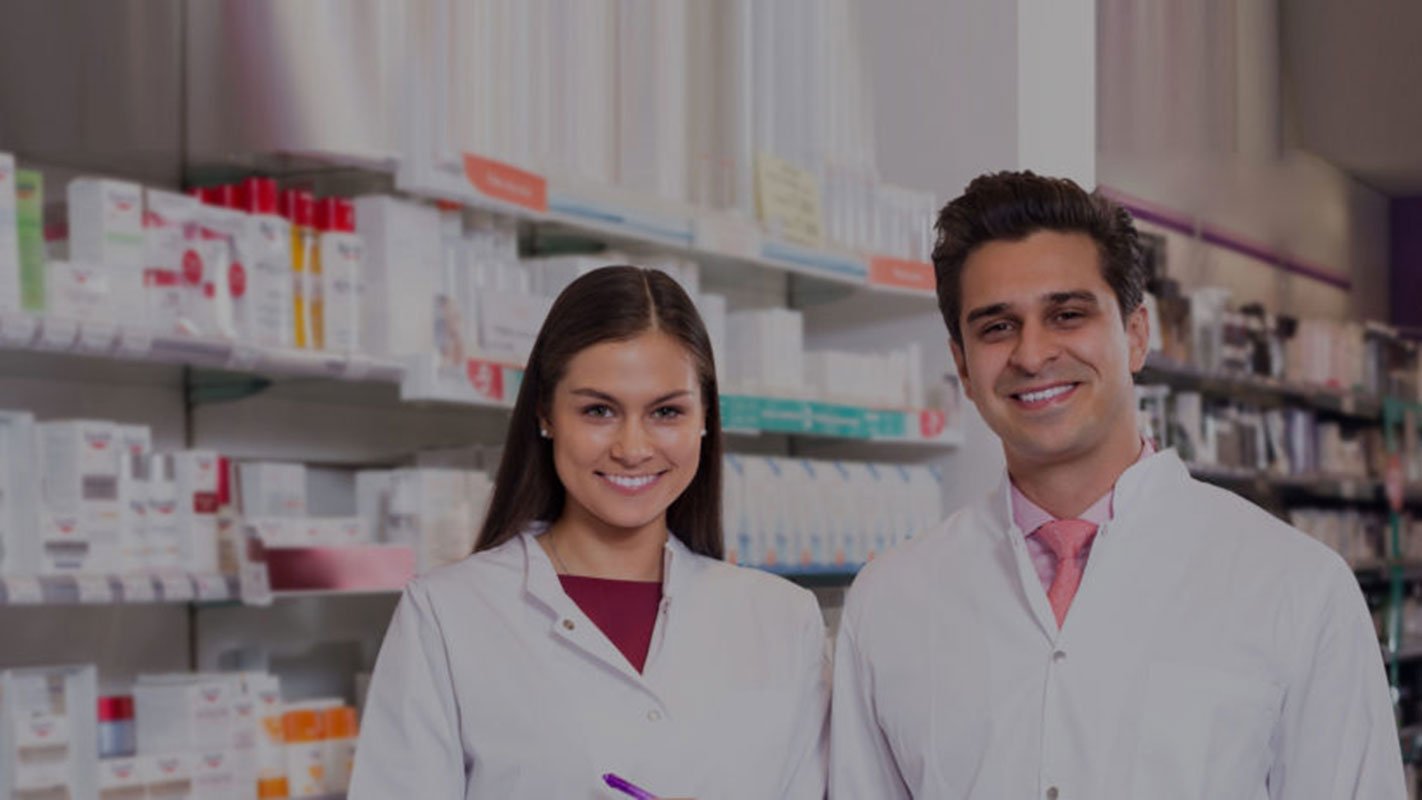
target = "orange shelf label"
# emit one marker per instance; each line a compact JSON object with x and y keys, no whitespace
{"x":885,"y":271}
{"x":507,"y":183}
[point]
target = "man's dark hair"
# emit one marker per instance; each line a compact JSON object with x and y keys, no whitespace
{"x":1010,"y":206}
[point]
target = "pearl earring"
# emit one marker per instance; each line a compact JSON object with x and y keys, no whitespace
{"x":703,"y":431}
{"x":544,"y":433}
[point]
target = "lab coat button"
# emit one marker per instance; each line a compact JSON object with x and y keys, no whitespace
{"x":1059,"y":656}
{"x":654,"y":715}
{"x":1052,"y":793}
{"x":568,"y":624}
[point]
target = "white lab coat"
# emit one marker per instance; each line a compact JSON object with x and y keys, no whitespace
{"x":1211,"y":653}
{"x":493,"y":684}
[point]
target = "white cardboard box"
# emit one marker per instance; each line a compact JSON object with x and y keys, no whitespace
{"x":272,"y":489}
{"x":81,"y":512}
{"x":197,"y":477}
{"x":400,"y":268}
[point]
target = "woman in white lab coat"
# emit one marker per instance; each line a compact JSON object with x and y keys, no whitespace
{"x":596,"y":629}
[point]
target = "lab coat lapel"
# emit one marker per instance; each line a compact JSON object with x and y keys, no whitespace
{"x":1029,"y":586}
{"x":566,"y":621}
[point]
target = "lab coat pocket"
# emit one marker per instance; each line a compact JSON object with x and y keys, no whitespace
{"x":1204,"y":733}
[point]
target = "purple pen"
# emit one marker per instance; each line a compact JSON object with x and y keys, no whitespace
{"x":627,"y":787}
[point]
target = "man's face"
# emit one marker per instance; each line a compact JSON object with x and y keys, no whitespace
{"x":1045,"y":355}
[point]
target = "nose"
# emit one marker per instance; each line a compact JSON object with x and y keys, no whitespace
{"x":1036,"y":348}
{"x":633,"y":445}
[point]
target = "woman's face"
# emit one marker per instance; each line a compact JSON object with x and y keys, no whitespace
{"x":626,"y":423}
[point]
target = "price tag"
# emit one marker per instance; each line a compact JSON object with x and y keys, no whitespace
{"x":97,"y":337}
{"x":58,"y":333}
{"x":135,"y":341}
{"x":176,"y":588}
{"x":357,"y":368}
{"x":211,"y":587}
{"x":244,"y":356}
{"x":18,"y":328}
{"x":94,"y":589}
{"x":138,"y":589}
{"x":23,"y":590}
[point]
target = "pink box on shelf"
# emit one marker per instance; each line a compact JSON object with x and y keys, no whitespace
{"x":349,"y":568}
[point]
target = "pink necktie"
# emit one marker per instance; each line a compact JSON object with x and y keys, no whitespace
{"x":1065,"y":538}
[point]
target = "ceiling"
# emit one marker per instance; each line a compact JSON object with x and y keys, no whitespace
{"x":1353,"y":87}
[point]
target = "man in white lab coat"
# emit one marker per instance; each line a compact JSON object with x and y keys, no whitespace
{"x":1102,"y":626}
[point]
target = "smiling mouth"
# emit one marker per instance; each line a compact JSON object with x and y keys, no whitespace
{"x":631,"y":484}
{"x":1038,"y":398}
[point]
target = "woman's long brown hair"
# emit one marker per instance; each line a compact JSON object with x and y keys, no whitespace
{"x":609,"y":304}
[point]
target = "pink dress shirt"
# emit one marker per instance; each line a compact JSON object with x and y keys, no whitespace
{"x":1029,"y":517}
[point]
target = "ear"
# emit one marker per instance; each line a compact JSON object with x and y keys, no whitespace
{"x":1138,"y":337}
{"x":961,"y":361}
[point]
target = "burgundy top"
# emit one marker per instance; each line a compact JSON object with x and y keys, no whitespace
{"x":625,"y":611}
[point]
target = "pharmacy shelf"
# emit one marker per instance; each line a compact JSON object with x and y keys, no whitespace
{"x":47,"y":590}
{"x":622,"y":218}
{"x":1268,"y":391}
{"x":1341,"y":488}
{"x":50,"y":334}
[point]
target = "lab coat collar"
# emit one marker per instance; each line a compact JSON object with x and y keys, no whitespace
{"x":1133,"y":490}
{"x":541,"y":578}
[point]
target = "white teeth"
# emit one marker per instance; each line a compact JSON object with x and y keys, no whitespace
{"x":628,"y":482}
{"x":1045,"y":394}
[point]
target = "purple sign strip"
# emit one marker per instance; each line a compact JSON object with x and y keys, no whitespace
{"x":1219,"y":237}
{"x":1406,"y":267}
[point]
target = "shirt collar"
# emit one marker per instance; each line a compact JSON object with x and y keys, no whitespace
{"x":1028,"y":516}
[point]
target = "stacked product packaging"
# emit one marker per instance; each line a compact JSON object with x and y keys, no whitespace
{"x":800,"y":513}
{"x":1203,"y":329}
{"x":1277,"y":441}
{"x":181,"y":736}
{"x":244,"y":263}
{"x":94,"y":497}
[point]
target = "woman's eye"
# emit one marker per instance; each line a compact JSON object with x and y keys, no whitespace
{"x":667,"y":413}
{"x":599,"y":411}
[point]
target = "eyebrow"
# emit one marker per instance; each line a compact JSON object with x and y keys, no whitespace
{"x":1052,"y":298}
{"x":607,"y":398}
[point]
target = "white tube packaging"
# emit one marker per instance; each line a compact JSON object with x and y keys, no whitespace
{"x":10,"y":297}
